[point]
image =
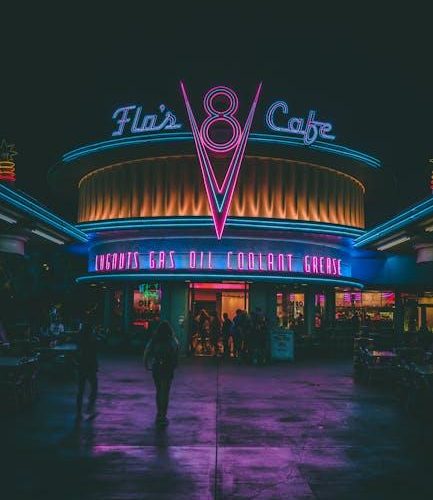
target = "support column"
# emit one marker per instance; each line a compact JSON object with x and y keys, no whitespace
{"x":264,"y":295}
{"x":330,"y":307}
{"x":127,"y":304}
{"x":107,"y":294}
{"x":423,"y":325}
{"x":398,"y":314}
{"x":309,"y":310}
{"x":174,"y":309}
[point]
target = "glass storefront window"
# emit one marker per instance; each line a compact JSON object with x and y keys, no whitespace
{"x":290,"y":309}
{"x":218,"y":298}
{"x":375,"y":309}
{"x":418,"y":312}
{"x":146,"y":306}
{"x":319,"y":303}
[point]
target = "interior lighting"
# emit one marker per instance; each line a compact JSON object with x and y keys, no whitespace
{"x":221,"y":276}
{"x":393,"y":243}
{"x":6,"y":218}
{"x":47,"y":237}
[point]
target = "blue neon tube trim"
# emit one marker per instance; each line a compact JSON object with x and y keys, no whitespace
{"x":319,"y":145}
{"x":19,"y":201}
{"x":412,"y":214}
{"x":187,"y":137}
{"x":125,"y":141}
{"x":174,"y":222}
{"x":252,"y":277}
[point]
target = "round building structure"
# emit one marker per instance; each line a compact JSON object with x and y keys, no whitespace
{"x":260,"y":215}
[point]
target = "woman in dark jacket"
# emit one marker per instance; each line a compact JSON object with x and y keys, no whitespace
{"x":162,"y":353}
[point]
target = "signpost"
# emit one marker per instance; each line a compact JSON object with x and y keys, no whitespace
{"x":282,"y":344}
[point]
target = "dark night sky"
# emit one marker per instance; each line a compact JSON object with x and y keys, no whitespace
{"x":368,"y":72}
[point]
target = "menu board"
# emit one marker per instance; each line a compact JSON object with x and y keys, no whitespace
{"x":282,"y":344}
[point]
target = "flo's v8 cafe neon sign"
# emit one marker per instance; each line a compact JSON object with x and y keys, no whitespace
{"x":130,"y":120}
{"x":309,"y":129}
{"x":141,"y":123}
{"x":220,"y":194}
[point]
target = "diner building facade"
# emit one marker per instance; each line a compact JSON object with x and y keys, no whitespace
{"x":222,"y":213}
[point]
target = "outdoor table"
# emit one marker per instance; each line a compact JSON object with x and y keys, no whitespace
{"x":10,"y":362}
{"x":414,"y":354}
{"x":424,"y":370}
{"x":69,"y":335}
{"x":18,"y":378}
{"x":424,"y":373}
{"x":362,"y":342}
{"x":50,"y":352}
{"x":65,"y":348}
{"x":383,"y":354}
{"x":60,"y":358}
{"x":380,"y":362}
{"x":419,"y":388}
{"x":15,"y":361}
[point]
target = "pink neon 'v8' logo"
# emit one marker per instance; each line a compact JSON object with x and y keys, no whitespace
{"x":220,"y":196}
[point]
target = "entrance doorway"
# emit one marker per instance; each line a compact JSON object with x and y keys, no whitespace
{"x":207,"y":304}
{"x":290,"y":308}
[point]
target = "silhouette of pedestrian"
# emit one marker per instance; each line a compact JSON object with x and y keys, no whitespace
{"x":87,"y":360}
{"x":226,"y":333}
{"x":162,"y":352}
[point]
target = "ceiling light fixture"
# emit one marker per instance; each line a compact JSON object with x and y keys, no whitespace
{"x":6,"y":218}
{"x":47,"y":237}
{"x":393,"y":243}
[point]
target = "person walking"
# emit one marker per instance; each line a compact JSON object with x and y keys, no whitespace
{"x":87,"y":360}
{"x":162,"y":352}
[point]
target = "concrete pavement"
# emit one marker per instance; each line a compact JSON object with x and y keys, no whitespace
{"x":304,"y":430}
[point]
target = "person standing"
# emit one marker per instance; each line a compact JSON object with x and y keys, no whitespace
{"x":356,"y":322}
{"x":226,"y":333}
{"x":237,"y":333}
{"x":87,"y":359}
{"x":259,"y":336}
{"x":57,"y":328}
{"x":162,"y":352}
{"x":215,"y":332}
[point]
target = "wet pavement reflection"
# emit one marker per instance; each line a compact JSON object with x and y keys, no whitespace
{"x":303,"y":430}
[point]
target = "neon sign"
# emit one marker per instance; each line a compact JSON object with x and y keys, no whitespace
{"x":157,"y":260}
{"x":310,"y":129}
{"x":7,"y":164}
{"x":150,"y":291}
{"x":117,"y":261}
{"x":145,"y":123}
{"x":220,"y":197}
